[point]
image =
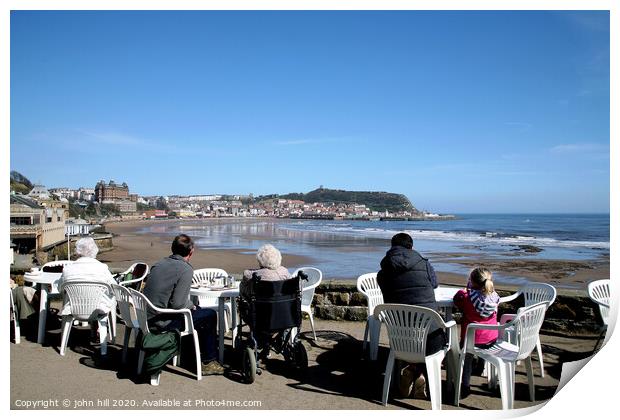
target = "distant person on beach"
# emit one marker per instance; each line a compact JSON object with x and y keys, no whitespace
{"x":478,"y":302}
{"x":87,"y":268}
{"x":167,"y":286}
{"x":408,"y":278}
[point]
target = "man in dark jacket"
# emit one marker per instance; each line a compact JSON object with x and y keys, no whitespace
{"x":408,"y":278}
{"x":167,"y":286}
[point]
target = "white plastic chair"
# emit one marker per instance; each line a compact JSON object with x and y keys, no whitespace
{"x":533,"y":293}
{"x":84,"y":298}
{"x":503,"y":355}
{"x":315,"y":276}
{"x":368,"y":286}
{"x":408,"y":327}
{"x":599,"y":293}
{"x":15,"y":318}
{"x":141,"y":307}
{"x":124,"y":303}
{"x":135,"y":282}
{"x":212,"y":277}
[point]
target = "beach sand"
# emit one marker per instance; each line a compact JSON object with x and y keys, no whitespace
{"x":131,"y":245}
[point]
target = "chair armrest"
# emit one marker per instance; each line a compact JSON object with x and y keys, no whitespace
{"x":450,"y":324}
{"x":469,"y":343}
{"x":311,"y":287}
{"x":187,"y":315}
{"x":507,"y":318}
{"x":602,"y":304}
{"x":509,"y":298}
{"x":453,"y":340}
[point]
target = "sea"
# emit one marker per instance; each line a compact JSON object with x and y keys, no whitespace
{"x":345,"y":249}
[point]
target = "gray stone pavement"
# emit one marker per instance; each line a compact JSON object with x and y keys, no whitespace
{"x":337,"y":377}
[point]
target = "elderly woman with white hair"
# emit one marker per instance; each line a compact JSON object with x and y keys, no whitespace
{"x":87,"y":268}
{"x":271,"y":269}
{"x":270,"y":262}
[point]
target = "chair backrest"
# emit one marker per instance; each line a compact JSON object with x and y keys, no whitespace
{"x":85,"y":297}
{"x":315,"y":276}
{"x":527,"y":325}
{"x":272,"y":305}
{"x":55,"y":266}
{"x":213,"y":276}
{"x":124,"y":302}
{"x":408,"y":327}
{"x":139,"y":270}
{"x":209,"y":276}
{"x":368,"y":286}
{"x":599,"y":293}
{"x":534,"y":293}
{"x":141,"y":305}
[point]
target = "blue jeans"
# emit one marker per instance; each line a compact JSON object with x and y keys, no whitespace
{"x":205,"y":324}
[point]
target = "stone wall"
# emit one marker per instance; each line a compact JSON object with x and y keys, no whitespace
{"x":103,"y":241}
{"x":572,"y":313}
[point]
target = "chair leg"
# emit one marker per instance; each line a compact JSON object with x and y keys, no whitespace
{"x":67,"y":322}
{"x":375,"y":335}
{"x":506,"y":384}
{"x":433,"y":368}
{"x":140,"y":362}
{"x":365,"y":341}
{"x":530,"y":377}
{"x":389,"y":367}
{"x":112,"y":324}
{"x":312,"y":324}
{"x":128,"y":331}
{"x":198,"y":361}
{"x":16,"y":329}
{"x":155,"y":379}
{"x":459,"y":379}
{"x":103,"y":335}
{"x":540,"y":357}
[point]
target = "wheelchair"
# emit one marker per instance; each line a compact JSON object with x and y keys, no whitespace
{"x":272,"y":311}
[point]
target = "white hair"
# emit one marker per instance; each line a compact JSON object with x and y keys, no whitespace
{"x":268,"y":256}
{"x":86,"y":247}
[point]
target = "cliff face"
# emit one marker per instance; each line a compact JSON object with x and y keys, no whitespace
{"x":378,"y":201}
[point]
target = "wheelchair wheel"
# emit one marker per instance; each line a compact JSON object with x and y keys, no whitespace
{"x":249,"y":365}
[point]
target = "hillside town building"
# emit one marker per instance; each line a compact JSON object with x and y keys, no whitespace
{"x":36,"y":224}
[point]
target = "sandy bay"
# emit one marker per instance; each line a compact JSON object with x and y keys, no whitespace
{"x":149,"y":240}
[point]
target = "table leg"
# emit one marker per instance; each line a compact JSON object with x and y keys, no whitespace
{"x":233,"y":319}
{"x":43,"y":306}
{"x":221,"y":326}
{"x":453,"y":357}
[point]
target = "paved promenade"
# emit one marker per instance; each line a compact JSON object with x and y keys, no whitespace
{"x":337,"y":377}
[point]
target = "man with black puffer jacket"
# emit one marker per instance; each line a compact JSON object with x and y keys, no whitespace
{"x":408,"y":278}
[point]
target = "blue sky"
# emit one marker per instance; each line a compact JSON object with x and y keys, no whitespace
{"x":470,"y":111}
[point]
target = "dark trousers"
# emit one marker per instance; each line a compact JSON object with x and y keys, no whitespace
{"x":469,"y":361}
{"x":205,"y":324}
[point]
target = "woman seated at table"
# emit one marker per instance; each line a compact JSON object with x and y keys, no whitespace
{"x":271,"y":269}
{"x":270,"y":263}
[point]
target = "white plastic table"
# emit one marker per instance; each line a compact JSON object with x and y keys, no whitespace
{"x":444,"y":296}
{"x":221,"y":295}
{"x":43,"y":279}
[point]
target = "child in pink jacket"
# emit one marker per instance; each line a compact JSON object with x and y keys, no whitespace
{"x":478,"y":302}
